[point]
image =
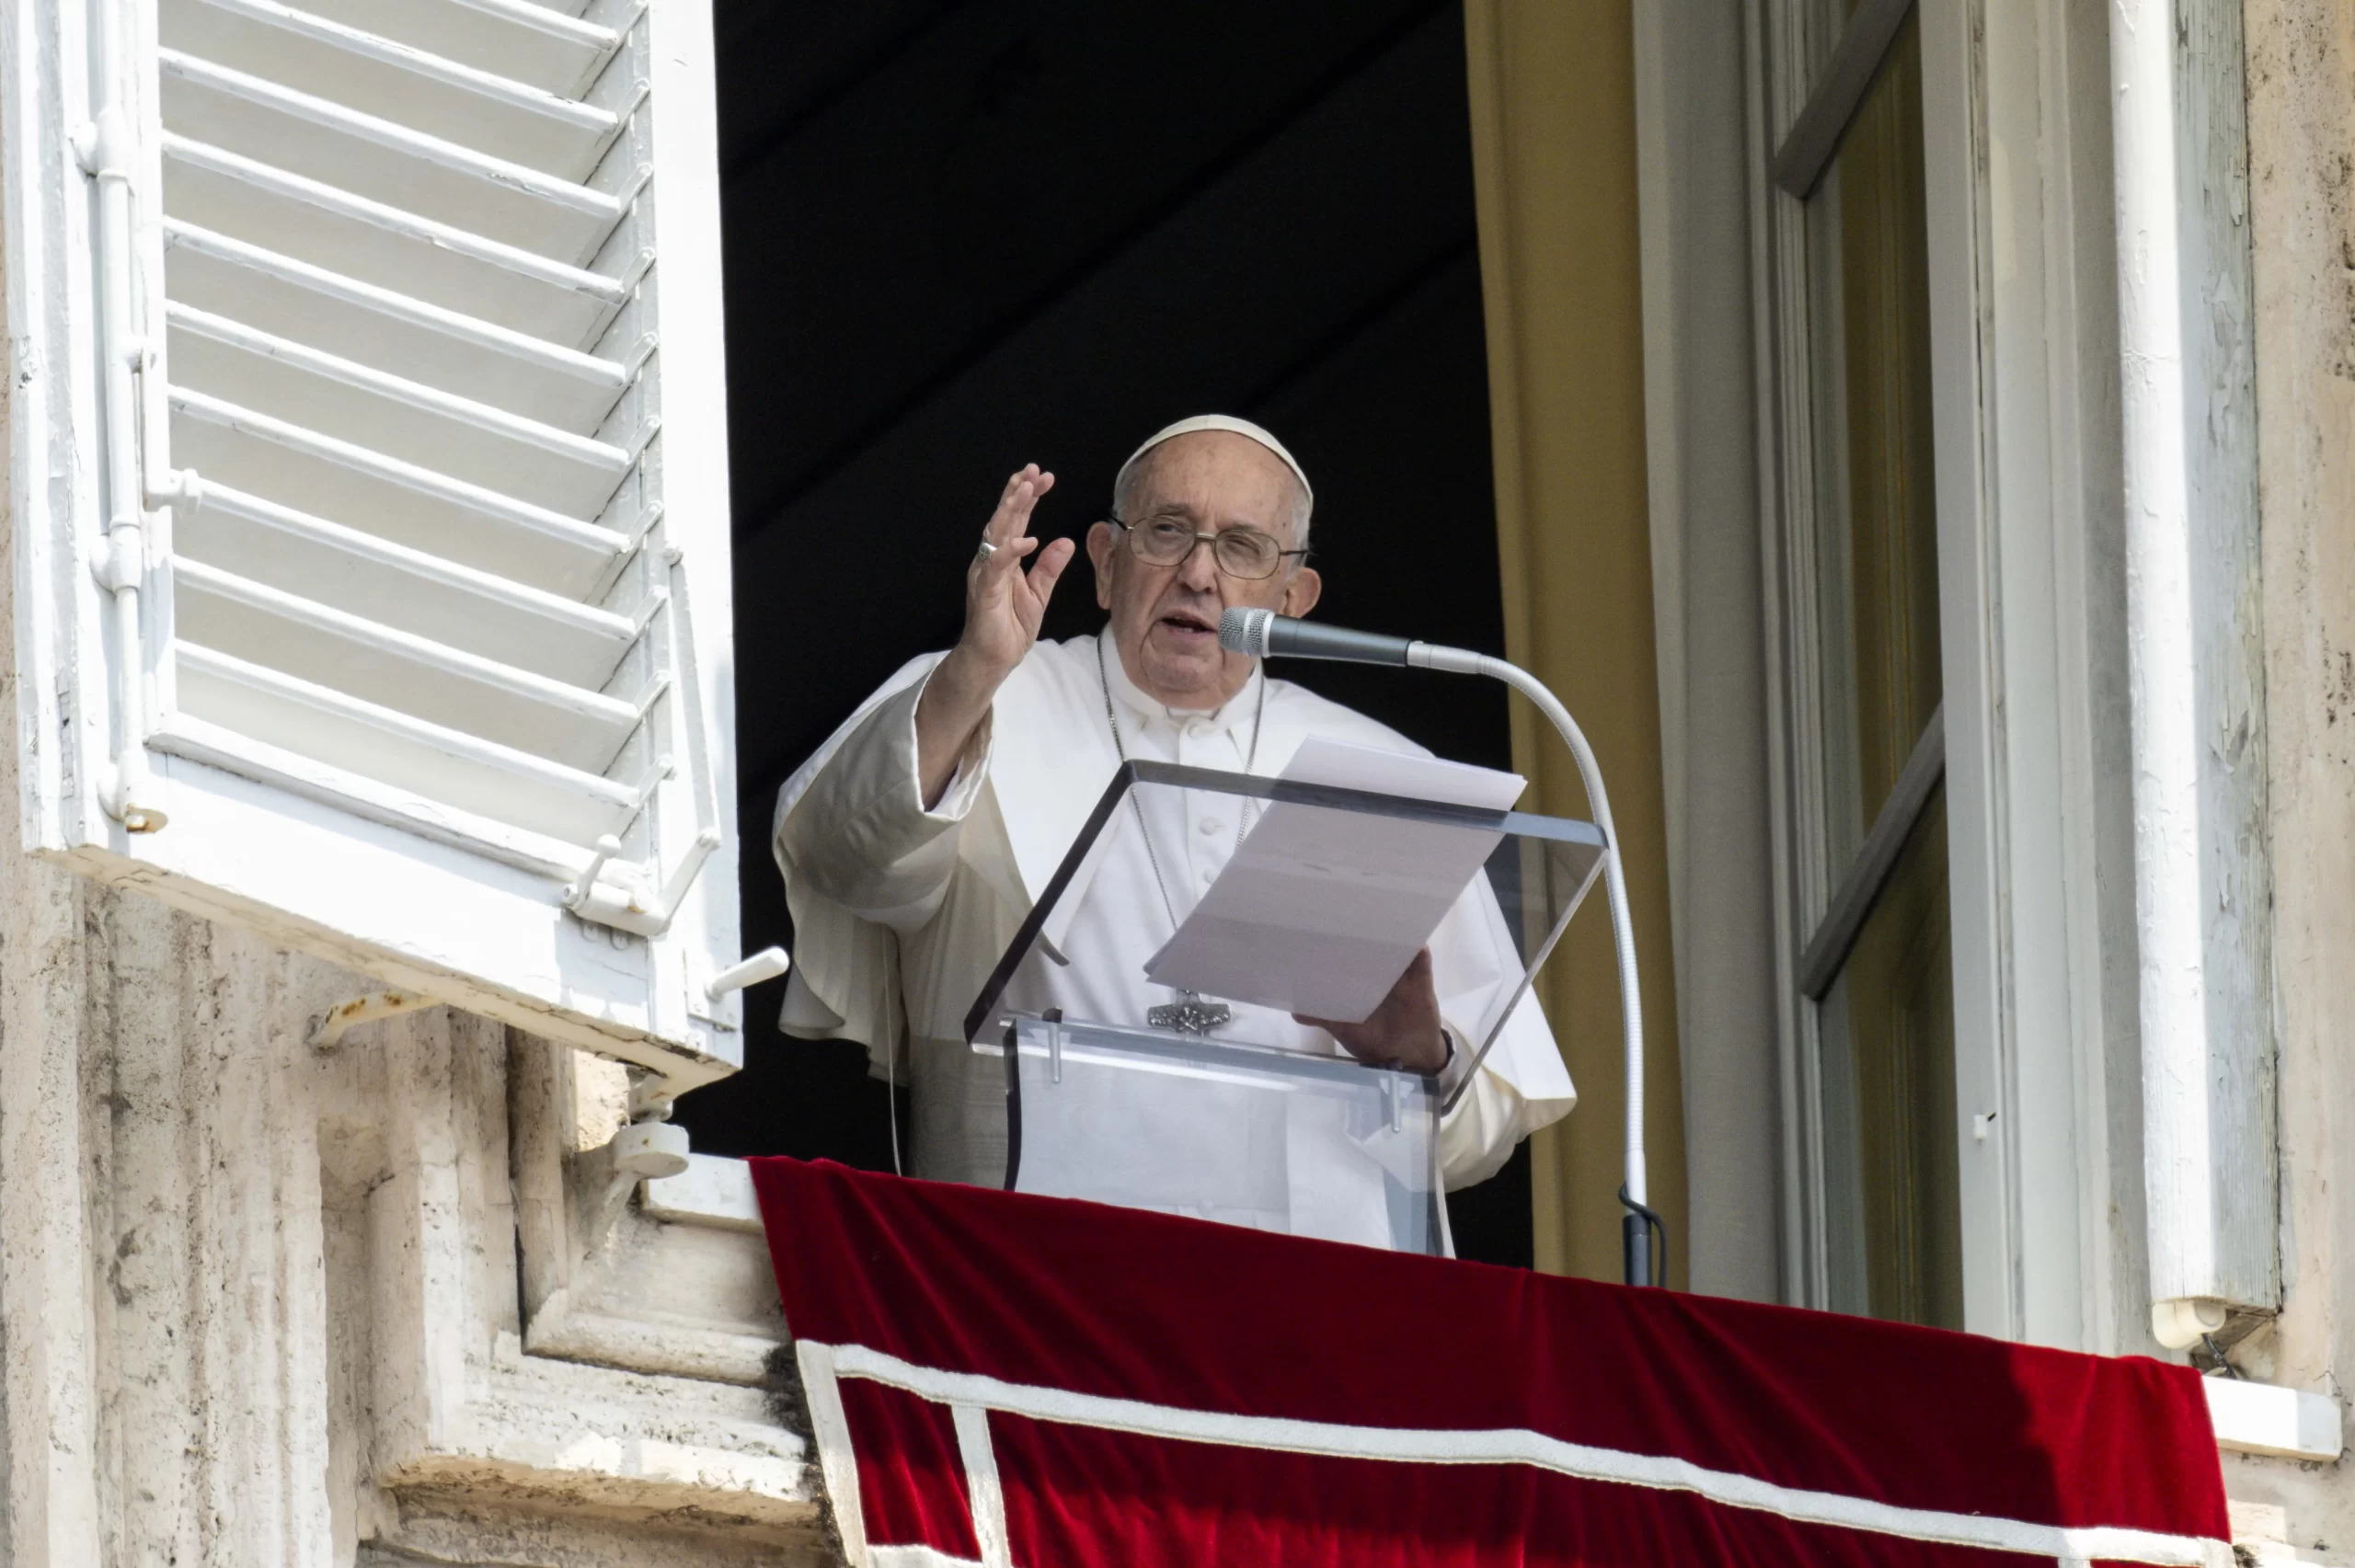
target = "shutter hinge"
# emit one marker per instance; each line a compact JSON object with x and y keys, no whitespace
{"x":104,"y":148}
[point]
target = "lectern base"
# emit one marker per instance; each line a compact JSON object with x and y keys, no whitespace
{"x":1246,"y":1135}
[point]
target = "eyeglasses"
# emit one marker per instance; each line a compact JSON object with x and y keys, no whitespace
{"x":1244,"y":552}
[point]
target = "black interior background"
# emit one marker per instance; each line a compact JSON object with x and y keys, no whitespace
{"x":963,"y":236}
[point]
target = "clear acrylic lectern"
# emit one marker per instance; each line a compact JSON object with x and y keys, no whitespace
{"x":1126,"y":1085}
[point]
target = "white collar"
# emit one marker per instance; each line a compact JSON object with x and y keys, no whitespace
{"x":1237,"y":710}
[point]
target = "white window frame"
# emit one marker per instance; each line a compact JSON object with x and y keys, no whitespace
{"x":2030,"y":686}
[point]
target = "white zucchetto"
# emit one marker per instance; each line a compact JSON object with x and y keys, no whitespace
{"x":1233,"y":426}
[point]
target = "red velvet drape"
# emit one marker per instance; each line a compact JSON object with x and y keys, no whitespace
{"x":1139,"y":1389}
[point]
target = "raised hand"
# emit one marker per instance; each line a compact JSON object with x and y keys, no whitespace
{"x":1004,"y":605}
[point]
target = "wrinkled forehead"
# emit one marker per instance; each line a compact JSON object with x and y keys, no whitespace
{"x":1218,"y":479}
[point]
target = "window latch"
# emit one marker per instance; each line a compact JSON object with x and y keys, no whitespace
{"x":768,"y":964}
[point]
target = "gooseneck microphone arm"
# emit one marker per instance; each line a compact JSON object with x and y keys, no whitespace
{"x":1263,"y":634}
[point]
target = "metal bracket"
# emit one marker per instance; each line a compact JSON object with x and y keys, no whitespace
{"x":626,"y":901}
{"x":328,"y":1032}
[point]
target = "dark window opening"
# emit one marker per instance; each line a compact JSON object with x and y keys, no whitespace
{"x":959,"y":238}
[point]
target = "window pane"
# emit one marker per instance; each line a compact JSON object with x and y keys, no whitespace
{"x":1892,"y":1202}
{"x":1877,"y":528}
{"x":1886,"y":1062}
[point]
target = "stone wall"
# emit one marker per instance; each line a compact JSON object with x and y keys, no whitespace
{"x":2302,"y":168}
{"x":265,"y":1304}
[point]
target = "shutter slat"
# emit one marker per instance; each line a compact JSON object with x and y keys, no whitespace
{"x":377,"y":158}
{"x":510,"y":38}
{"x":401,"y":501}
{"x":442,"y":768}
{"x":427,"y":595}
{"x":413,"y":650}
{"x":377,"y":663}
{"x":468,"y":440}
{"x":393,"y":523}
{"x":469,"y":358}
{"x":317,"y":223}
{"x":408,"y":86}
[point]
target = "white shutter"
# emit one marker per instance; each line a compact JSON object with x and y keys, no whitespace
{"x":368,"y":465}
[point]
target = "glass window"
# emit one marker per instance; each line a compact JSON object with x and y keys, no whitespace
{"x":1876,"y":537}
{"x":1892,"y":1199}
{"x":1885,"y":1062}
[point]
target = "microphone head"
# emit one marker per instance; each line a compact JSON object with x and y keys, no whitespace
{"x":1245,"y":631}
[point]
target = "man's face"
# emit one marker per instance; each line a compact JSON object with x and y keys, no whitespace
{"x":1165,"y":619}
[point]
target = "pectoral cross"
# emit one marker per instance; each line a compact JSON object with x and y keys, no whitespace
{"x":1189,"y":1015}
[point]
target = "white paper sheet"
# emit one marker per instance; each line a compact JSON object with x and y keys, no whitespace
{"x":1321,"y":911}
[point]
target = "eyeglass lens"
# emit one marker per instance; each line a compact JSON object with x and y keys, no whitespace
{"x":1240,"y":551}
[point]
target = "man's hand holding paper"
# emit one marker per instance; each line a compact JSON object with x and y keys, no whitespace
{"x":1326,"y":918}
{"x":1404,"y":1028}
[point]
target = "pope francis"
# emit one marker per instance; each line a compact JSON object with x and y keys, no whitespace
{"x":915,"y":841}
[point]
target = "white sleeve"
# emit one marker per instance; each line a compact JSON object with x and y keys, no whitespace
{"x":1521,"y":1084}
{"x":860,"y":835}
{"x":1477,"y":1137}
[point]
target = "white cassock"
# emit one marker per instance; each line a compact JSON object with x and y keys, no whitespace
{"x":900,"y":913}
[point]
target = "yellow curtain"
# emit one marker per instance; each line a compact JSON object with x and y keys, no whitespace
{"x":1554,"y":163}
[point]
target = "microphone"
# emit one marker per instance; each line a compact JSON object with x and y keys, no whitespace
{"x":1263,"y":634}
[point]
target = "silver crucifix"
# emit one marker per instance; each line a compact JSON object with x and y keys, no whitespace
{"x":1189,"y":1015}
